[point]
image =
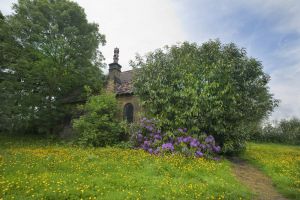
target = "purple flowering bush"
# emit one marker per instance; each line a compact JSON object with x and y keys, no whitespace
{"x":150,"y":138}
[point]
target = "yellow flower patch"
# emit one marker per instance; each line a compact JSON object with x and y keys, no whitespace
{"x":281,"y":163}
{"x":63,"y":172}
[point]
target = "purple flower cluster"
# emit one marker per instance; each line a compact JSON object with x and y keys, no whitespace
{"x":168,"y":146}
{"x":199,"y":149}
{"x":152,"y":140}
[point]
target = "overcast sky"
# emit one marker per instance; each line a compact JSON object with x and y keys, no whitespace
{"x":269,"y":30}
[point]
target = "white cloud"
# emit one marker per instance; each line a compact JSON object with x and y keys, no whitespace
{"x":5,"y":6}
{"x":134,"y":26}
{"x":287,"y":9}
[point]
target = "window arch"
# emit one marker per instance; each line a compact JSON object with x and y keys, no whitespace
{"x":128,"y":112}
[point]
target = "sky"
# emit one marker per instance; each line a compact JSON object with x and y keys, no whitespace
{"x":269,"y":30}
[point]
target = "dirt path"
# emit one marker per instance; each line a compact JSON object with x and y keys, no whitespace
{"x":255,"y":180}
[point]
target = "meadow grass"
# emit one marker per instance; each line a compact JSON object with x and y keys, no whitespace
{"x":281,"y":163}
{"x":38,"y":169}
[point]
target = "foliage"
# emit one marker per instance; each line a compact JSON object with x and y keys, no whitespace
{"x":281,"y":163}
{"x":152,"y":140}
{"x":286,"y":131}
{"x":211,"y":88}
{"x":33,"y":170}
{"x":98,"y":126}
{"x":48,"y":52}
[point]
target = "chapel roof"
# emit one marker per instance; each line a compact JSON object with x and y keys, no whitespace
{"x":125,"y":86}
{"x":126,"y":76}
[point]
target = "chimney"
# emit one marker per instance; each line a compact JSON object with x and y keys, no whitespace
{"x":115,"y":67}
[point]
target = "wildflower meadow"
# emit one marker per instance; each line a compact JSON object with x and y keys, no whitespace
{"x":42,"y":170}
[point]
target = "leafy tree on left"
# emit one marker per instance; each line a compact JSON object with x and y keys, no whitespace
{"x":48,"y":51}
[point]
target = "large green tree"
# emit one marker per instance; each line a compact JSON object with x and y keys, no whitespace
{"x":48,"y":52}
{"x":212,"y":88}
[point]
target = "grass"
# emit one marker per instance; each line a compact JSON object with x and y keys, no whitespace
{"x":281,"y":163}
{"x":38,"y":169}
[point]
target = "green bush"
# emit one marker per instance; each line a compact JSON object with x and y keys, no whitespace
{"x":286,"y":131}
{"x":98,"y":126}
{"x":211,"y":88}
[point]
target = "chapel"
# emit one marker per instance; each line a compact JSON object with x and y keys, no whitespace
{"x":121,"y":83}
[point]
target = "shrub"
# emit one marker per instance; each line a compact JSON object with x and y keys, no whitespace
{"x":286,"y":131}
{"x":98,"y":126}
{"x":152,"y":140}
{"x":212,"y":88}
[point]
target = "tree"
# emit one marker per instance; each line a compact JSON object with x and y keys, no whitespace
{"x":212,"y":88}
{"x":285,"y":131}
{"x":291,"y":130}
{"x":48,"y":51}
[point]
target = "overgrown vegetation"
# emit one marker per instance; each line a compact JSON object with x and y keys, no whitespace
{"x":212,"y":88}
{"x":32,"y":169}
{"x":48,"y":53}
{"x":286,"y":131}
{"x":99,"y":125}
{"x":281,"y":163}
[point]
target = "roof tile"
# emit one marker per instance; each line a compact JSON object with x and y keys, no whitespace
{"x":126,"y":85}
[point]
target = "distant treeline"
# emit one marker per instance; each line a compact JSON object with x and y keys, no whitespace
{"x":285,"y":131}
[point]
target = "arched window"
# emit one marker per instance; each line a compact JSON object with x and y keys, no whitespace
{"x":128,"y":112}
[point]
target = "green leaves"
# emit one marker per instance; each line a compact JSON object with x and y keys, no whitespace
{"x":50,"y":50}
{"x":99,"y":125}
{"x":211,"y":88}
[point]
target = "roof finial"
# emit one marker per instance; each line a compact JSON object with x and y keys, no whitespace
{"x":116,"y":55}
